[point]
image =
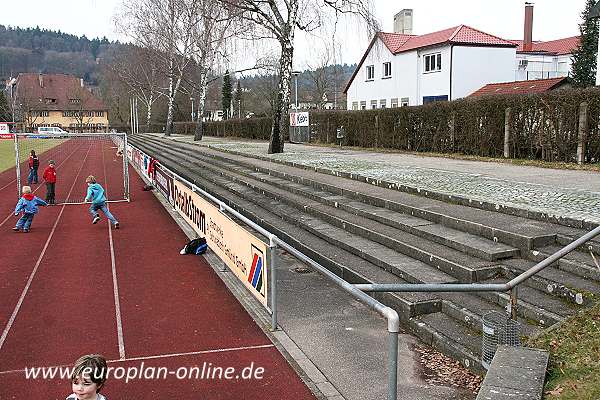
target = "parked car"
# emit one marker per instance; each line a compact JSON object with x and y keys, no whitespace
{"x":52,"y":130}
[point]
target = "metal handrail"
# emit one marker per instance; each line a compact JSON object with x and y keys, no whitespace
{"x":393,"y":320}
{"x":484,"y":287}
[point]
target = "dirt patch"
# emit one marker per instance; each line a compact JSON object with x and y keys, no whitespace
{"x":439,"y":369}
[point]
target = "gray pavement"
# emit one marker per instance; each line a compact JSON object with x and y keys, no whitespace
{"x":565,"y":193}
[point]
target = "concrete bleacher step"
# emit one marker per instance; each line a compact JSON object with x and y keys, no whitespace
{"x":462,"y":241}
{"x":578,"y":262}
{"x":558,"y":282}
{"x":453,"y":262}
{"x":470,"y":310}
{"x":516,"y":231}
{"x":451,"y":337}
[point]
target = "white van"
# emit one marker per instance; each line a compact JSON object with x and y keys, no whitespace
{"x":52,"y":130}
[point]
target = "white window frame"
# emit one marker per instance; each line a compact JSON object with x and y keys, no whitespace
{"x":363,"y":105}
{"x":370,"y":70}
{"x":355,"y":105}
{"x":387,"y":74}
{"x":404,"y":102}
{"x":374,"y":104}
{"x":394,"y":102}
{"x":436,"y":58}
{"x":383,"y":103}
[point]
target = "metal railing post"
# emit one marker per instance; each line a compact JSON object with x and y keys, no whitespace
{"x":513,"y":302}
{"x":273,"y":282}
{"x":393,"y":366}
{"x":18,"y":165}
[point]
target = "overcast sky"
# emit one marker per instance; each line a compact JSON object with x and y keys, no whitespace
{"x":553,"y":19}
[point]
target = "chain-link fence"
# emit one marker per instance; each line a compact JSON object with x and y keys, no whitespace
{"x":498,"y":329}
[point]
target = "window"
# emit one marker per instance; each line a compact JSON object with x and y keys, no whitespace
{"x":355,"y":105}
{"x":383,"y":103}
{"x":49,"y":101}
{"x":387,"y":70}
{"x":433,"y":62}
{"x":370,"y":72}
{"x":74,"y":101}
{"x":373,"y":104}
{"x":363,"y":105}
{"x":404,"y":102}
{"x":394,"y":103}
{"x":99,"y":113}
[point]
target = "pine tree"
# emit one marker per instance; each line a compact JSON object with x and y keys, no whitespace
{"x":226,"y":95}
{"x":583,"y":69}
{"x":237,"y":100}
{"x":5,"y":114}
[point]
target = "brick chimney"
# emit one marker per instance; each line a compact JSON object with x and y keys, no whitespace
{"x":41,"y":80}
{"x":528,"y":34}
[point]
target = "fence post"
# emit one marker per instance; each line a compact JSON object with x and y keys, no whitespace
{"x":582,"y":132}
{"x":273,"y":282}
{"x":507,"y":114}
{"x":452,"y":125}
{"x":514,"y":298}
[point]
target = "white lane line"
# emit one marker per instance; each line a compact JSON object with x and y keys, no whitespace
{"x":37,"y":264}
{"x":158,"y":356}
{"x":37,"y":188}
{"x":120,"y":336}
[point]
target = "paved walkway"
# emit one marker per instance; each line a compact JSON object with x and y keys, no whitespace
{"x":565,"y":193}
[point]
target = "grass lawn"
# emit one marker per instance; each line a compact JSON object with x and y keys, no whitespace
{"x":7,"y":150}
{"x":574,"y":370}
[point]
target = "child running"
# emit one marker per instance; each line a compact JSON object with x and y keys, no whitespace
{"x":50,"y":178}
{"x":28,"y":204}
{"x":95,"y":194}
{"x":88,"y":377}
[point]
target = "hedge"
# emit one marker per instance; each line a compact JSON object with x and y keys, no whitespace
{"x":543,"y":126}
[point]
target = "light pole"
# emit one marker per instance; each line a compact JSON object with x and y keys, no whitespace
{"x":296,"y":73}
{"x":192,"y":100}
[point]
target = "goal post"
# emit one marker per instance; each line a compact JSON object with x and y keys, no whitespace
{"x":75,"y":156}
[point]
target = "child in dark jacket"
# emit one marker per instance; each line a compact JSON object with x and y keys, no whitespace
{"x":34,"y":163}
{"x":50,"y":178}
{"x":28,"y":204}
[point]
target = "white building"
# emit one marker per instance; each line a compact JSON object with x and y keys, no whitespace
{"x":542,"y":60}
{"x":402,"y":69}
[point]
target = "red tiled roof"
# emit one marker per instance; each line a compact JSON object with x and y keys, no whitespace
{"x":556,"y":47}
{"x":462,"y":34}
{"x":519,"y":87}
{"x":61,"y":88}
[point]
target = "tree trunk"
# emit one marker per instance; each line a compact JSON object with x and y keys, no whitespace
{"x":199,"y":133}
{"x":280,"y":125}
{"x":149,"y":112}
{"x":169,"y":126}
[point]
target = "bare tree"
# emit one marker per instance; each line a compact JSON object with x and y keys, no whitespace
{"x":138,"y":69}
{"x":321,"y":79}
{"x":166,"y":28}
{"x":279,"y":19}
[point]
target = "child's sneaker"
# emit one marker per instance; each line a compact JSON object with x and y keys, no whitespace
{"x":16,"y":229}
{"x":96,"y":219}
{"x":25,"y":230}
{"x":116,"y":225}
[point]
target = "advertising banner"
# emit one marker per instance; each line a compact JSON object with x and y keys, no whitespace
{"x":299,"y":119}
{"x":243,"y":253}
{"x":129,"y":152}
{"x":164,"y":182}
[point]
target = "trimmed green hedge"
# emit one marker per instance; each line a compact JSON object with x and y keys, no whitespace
{"x":543,"y":126}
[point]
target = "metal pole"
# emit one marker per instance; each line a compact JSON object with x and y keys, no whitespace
{"x":296,"y":92}
{"x":18,"y":165}
{"x":393,"y":366}
{"x":125,"y":167}
{"x":131,"y":114}
{"x":273,"y":282}
{"x":192,"y":99}
{"x":137,"y":121}
{"x":513,"y":303}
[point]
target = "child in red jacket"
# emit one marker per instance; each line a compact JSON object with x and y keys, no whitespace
{"x":50,"y":178}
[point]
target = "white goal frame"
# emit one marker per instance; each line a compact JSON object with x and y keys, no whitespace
{"x":119,"y":139}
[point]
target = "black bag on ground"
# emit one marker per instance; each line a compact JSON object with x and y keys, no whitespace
{"x":196,"y":246}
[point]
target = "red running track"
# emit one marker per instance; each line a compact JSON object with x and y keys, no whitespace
{"x":70,"y":288}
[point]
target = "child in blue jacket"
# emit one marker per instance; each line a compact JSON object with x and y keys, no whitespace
{"x":28,"y":204}
{"x":95,"y":194}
